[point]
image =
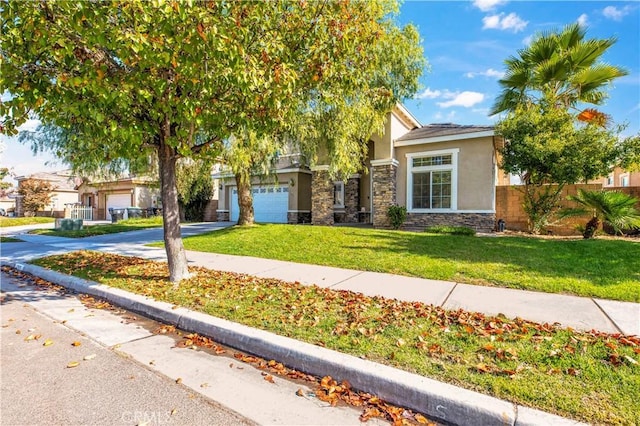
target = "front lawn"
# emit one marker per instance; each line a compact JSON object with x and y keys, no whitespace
{"x":593,"y":377}
{"x":598,"y":268}
{"x":102,"y":229}
{"x":6,"y":222}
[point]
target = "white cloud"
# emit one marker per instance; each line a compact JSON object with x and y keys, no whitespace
{"x":486,"y":5}
{"x":491,"y":73}
{"x":527,"y":40}
{"x":465,"y":99}
{"x":504,"y":22}
{"x":583,"y":20}
{"x":429,"y":94}
{"x":616,"y":14}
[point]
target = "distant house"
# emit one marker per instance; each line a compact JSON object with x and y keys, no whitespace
{"x":442,"y":174}
{"x":119,"y":193}
{"x":64,"y":192}
{"x":619,"y":178}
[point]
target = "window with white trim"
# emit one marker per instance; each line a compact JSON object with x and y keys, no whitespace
{"x":431,"y":180}
{"x":338,"y":195}
{"x":624,"y":180}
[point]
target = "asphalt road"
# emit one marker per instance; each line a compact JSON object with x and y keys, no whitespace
{"x":38,"y":386}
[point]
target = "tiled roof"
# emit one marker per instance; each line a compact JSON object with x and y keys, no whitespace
{"x":442,"y":129}
{"x":62,"y":181}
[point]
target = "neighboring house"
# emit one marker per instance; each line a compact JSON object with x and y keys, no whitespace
{"x":141,"y":192}
{"x":442,"y":173}
{"x":621,"y":178}
{"x":64,"y":192}
{"x":8,"y":202}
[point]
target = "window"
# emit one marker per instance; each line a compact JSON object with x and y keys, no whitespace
{"x":624,"y":180}
{"x":431,"y":180}
{"x":610,"y":180}
{"x":338,"y":195}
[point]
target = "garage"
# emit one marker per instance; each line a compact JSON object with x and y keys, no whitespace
{"x":118,"y":201}
{"x":270,"y":204}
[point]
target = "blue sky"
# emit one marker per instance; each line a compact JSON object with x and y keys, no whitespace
{"x":466,"y":43}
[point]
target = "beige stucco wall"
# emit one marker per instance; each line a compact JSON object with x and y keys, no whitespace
{"x":146,"y":197}
{"x":476,"y":168}
{"x":393,"y":129}
{"x":60,"y":198}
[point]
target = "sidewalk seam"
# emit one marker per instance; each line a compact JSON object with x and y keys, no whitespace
{"x":346,"y":279}
{"x":607,"y":315}
{"x":446,"y":299}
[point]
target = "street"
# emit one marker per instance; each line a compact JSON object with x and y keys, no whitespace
{"x":72,"y":359}
{"x":41,"y":385}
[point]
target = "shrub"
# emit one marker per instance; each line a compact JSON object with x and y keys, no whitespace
{"x":450,"y":230}
{"x":397,"y":215}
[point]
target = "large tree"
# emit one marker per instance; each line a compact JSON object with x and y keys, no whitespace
{"x":551,"y":136}
{"x":170,"y":78}
{"x":338,"y":117}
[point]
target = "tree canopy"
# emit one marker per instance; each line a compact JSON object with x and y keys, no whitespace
{"x":176,"y":78}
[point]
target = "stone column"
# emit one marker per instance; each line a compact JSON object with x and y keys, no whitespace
{"x":352,"y":198}
{"x":384,"y":190}
{"x":321,"y":196}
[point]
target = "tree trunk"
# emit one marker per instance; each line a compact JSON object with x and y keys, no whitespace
{"x":245,"y":198}
{"x":176,"y":256}
{"x":591,"y":228}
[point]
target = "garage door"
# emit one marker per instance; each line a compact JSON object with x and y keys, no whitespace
{"x":270,"y":204}
{"x":118,"y":201}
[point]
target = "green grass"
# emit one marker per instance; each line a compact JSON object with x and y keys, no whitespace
{"x":597,"y":268}
{"x":593,"y":377}
{"x":102,"y":229}
{"x":6,"y":222}
{"x":9,"y":240}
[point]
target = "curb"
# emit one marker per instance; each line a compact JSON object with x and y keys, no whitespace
{"x":437,"y":400}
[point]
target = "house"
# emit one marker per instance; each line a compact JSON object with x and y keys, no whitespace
{"x":118,"y":193}
{"x":442,"y":174}
{"x":64,"y":192}
{"x":619,"y":178}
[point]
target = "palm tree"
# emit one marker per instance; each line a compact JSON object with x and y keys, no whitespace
{"x":561,"y":66}
{"x":614,"y":208}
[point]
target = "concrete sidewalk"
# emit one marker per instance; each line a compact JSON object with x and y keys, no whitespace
{"x":581,"y":313}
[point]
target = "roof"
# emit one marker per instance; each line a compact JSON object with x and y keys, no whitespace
{"x":443,"y":129}
{"x":62,"y":180}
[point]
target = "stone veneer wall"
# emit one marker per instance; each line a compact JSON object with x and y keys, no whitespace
{"x":321,"y":198}
{"x":351,"y":199}
{"x":298,"y":217}
{"x":481,"y":222}
{"x":210,"y":213}
{"x":222,"y":215}
{"x":384,"y":193}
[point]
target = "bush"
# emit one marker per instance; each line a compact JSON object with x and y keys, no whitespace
{"x":397,"y":215}
{"x":450,"y":230}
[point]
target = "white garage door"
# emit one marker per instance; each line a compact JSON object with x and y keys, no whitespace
{"x":270,"y":204}
{"x":118,"y":201}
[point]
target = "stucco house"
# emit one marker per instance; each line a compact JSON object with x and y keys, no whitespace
{"x":130,"y":191}
{"x":442,"y":174}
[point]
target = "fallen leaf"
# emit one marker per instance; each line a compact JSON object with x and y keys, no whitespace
{"x":631,"y":360}
{"x":204,"y":385}
{"x":73,"y":364}
{"x":18,"y":332}
{"x":269,"y":378}
{"x":179,"y":380}
{"x":76,"y":343}
{"x":300,"y":392}
{"x":173,"y":411}
{"x":89,"y":357}
{"x":48,"y":342}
